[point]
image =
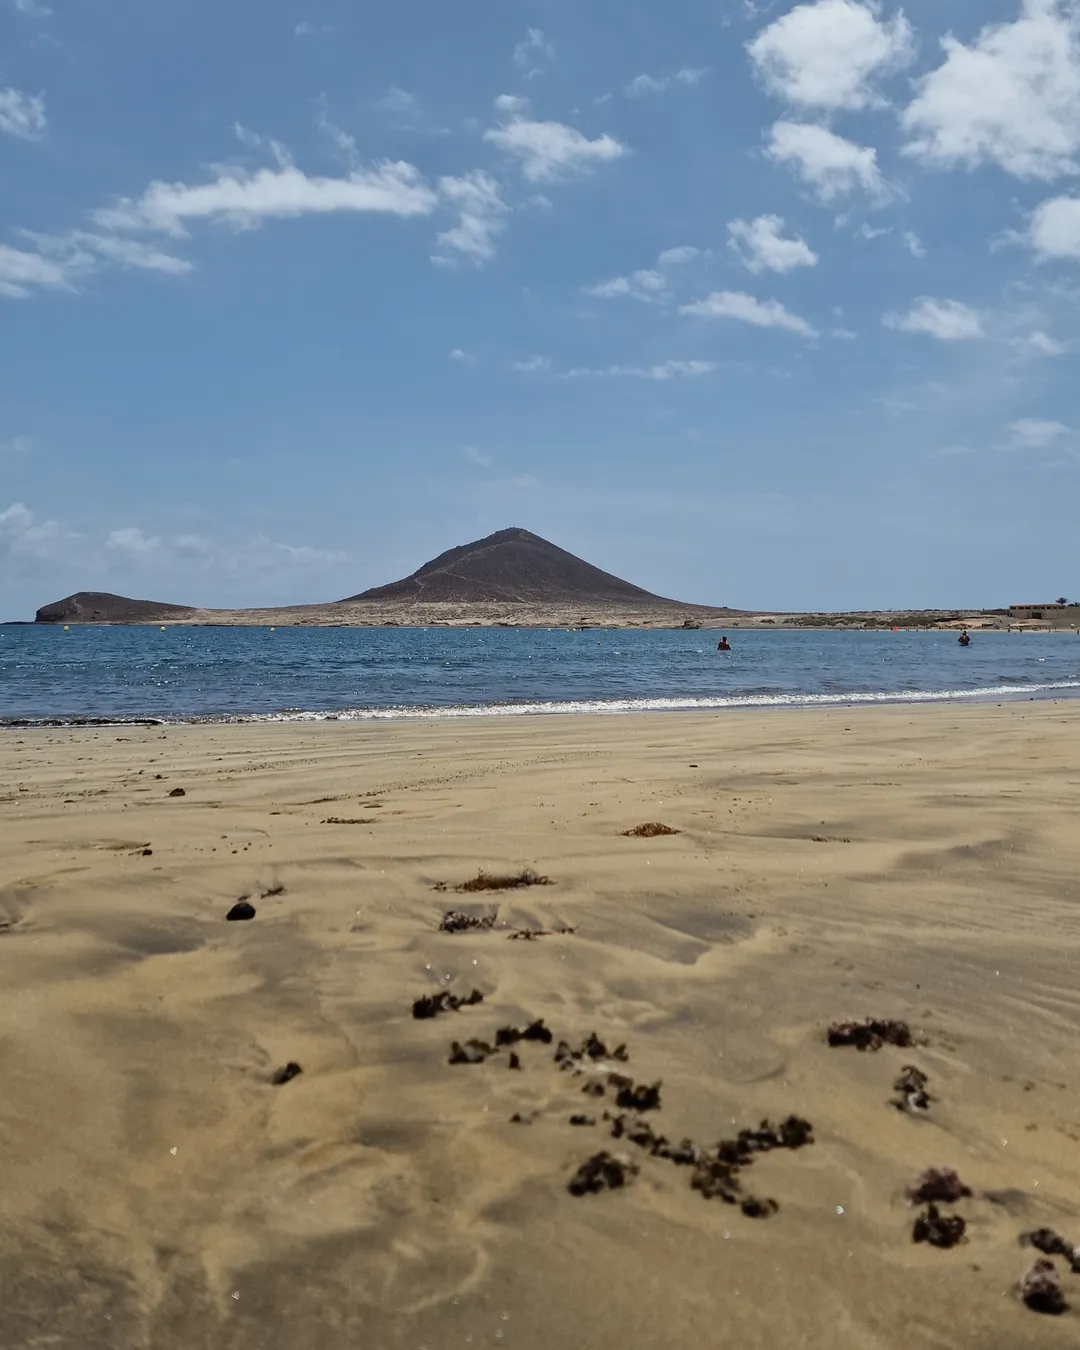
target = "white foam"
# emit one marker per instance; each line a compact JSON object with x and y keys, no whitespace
{"x":617,"y":706}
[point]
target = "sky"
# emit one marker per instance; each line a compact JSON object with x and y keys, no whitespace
{"x":758,"y":305}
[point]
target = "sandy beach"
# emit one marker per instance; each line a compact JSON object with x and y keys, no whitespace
{"x":160,"y":1192}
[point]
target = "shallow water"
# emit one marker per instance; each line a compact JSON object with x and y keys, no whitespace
{"x":366,"y":673}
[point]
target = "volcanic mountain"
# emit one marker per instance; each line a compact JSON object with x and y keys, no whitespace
{"x":513,"y":577}
{"x":101,"y":607}
{"x":512,"y":566}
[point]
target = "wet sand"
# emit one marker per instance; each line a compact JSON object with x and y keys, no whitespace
{"x":158,"y":1192}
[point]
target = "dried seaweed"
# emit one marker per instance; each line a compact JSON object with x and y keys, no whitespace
{"x":444,"y":1001}
{"x":938,"y":1183}
{"x":940,"y":1230}
{"x":488,"y":881}
{"x":1041,"y":1289}
{"x":602,"y":1172}
{"x":652,"y":829}
{"x":870,"y":1034}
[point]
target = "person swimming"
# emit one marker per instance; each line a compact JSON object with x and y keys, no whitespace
{"x":723,"y":645}
{"x":963,"y":639}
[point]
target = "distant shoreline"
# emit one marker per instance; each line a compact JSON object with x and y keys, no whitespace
{"x":531,"y":620}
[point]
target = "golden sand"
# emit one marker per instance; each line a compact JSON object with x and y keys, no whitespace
{"x":159,"y":1193}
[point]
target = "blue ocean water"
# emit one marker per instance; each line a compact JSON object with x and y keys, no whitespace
{"x":367,"y":673}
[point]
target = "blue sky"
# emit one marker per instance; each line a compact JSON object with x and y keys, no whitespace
{"x":753,"y":304}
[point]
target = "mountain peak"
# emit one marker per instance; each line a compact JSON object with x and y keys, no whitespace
{"x":513,"y":565}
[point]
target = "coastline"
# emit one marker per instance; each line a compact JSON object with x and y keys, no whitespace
{"x":871,"y":861}
{"x":629,"y":707}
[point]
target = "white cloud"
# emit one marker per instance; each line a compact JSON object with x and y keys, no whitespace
{"x":132,"y":542}
{"x":914,"y":244}
{"x":511,"y":103}
{"x":458,"y":355}
{"x":21,"y":273}
{"x":482,"y":215}
{"x":400,"y":102}
{"x":762,"y":246}
{"x":24,"y":537}
{"x":675,"y":257}
{"x":1034,"y":433}
{"x":81,"y":252}
{"x":475,"y":457}
{"x":22,"y":115}
{"x":1054,"y":231}
{"x":652,"y":84}
{"x":666,"y":370}
{"x":18,"y":445}
{"x":551,"y":150}
{"x":828,"y":164}
{"x":747,"y":309}
{"x":533,"y":364}
{"x":32,"y":9}
{"x":58,"y":262}
{"x":531,"y":51}
{"x":245,"y":198}
{"x":1011,"y":98}
{"x":947,"y":320}
{"x":1038,"y":343}
{"x":827,"y":55}
{"x":647,"y":283}
{"x":644,"y":284}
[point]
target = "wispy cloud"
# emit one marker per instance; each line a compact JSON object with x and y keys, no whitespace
{"x":1037,"y":343}
{"x":22,"y":273}
{"x":532,"y":51}
{"x":533,"y":365}
{"x":482,"y":215}
{"x":459,"y":355}
{"x":653,"y":84}
{"x":245,"y":198}
{"x":1035,"y":433}
{"x":665,"y":370}
{"x":400,"y":102}
{"x":647,"y":283}
{"x":829,"y":165}
{"x":25,"y":538}
{"x":549,"y":151}
{"x":32,"y":9}
{"x":946,"y":320}
{"x":475,"y":457}
{"x":762,"y":246}
{"x":17,"y":445}
{"x":22,"y":115}
{"x":914,"y":244}
{"x":748,"y":309}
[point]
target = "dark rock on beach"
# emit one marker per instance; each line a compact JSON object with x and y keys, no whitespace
{"x":242,"y":910}
{"x":287,"y":1074}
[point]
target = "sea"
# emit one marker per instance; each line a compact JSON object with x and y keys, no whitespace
{"x":86,"y":675}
